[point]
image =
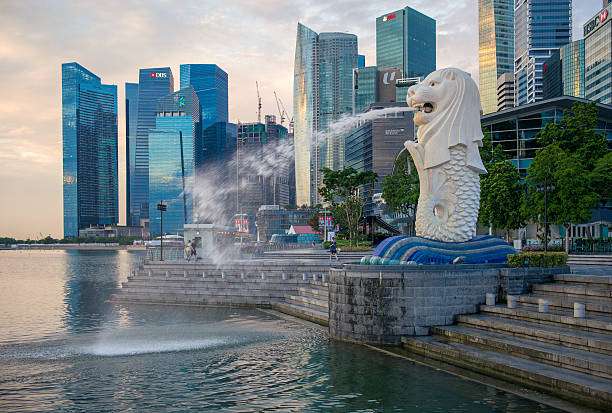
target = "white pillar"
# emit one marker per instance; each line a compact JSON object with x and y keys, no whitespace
{"x":542,"y":305}
{"x":579,"y":310}
{"x":490,"y":300}
{"x":511,"y":300}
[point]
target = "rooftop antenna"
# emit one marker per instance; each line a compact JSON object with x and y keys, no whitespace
{"x":258,"y":103}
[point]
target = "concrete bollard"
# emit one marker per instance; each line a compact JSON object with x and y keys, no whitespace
{"x":490,"y":299}
{"x":204,"y":274}
{"x":285,"y":276}
{"x":542,"y":305}
{"x":263,"y":276}
{"x":186,"y":274}
{"x":223,"y":275}
{"x":167,"y":274}
{"x":150,"y":273}
{"x":305,"y":277}
{"x":511,"y":300}
{"x":579,"y":310}
{"x":243,"y":275}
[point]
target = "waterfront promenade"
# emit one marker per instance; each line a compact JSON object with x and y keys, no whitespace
{"x":550,"y":351}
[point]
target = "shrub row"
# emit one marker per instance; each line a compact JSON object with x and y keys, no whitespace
{"x":537,"y":259}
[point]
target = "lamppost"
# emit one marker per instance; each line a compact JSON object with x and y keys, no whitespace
{"x":545,"y":188}
{"x":161,"y":207}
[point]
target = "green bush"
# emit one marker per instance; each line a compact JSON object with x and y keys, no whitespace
{"x":537,"y":259}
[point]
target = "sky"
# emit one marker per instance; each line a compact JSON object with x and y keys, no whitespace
{"x":251,"y":40}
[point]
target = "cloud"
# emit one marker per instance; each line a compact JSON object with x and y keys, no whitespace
{"x":251,"y":40}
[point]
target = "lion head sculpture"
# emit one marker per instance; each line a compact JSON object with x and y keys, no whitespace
{"x":448,"y":105}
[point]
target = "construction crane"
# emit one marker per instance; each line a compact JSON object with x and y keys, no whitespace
{"x":283,"y":112}
{"x":280,"y":112}
{"x":258,"y":103}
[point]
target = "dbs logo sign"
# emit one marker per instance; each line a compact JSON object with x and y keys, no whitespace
{"x":162,"y":75}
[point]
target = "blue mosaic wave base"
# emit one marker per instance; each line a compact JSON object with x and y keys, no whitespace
{"x":483,"y":249}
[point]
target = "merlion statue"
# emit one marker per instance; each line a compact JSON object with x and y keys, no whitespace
{"x":446,"y":154}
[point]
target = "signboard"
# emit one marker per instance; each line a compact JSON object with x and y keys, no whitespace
{"x":323,"y":219}
{"x":386,"y":84}
{"x":159,"y":75}
{"x":595,"y":22}
{"x":241,"y":225}
{"x":388,"y":17}
{"x":330,"y":236}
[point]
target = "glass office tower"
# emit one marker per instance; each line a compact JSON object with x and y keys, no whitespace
{"x":540,"y":28}
{"x":406,"y":40}
{"x":598,"y":56}
{"x":173,"y":148}
{"x":323,"y":78}
{"x":365,"y":87}
{"x":153,"y":84}
{"x":211,"y":84}
{"x":89,"y":142}
{"x":305,"y":111}
{"x":131,"y":117}
{"x":337,"y":59}
{"x":495,"y":48}
{"x":564,"y":72}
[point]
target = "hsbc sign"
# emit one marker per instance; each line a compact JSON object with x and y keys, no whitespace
{"x":157,"y":75}
{"x":596,"y":21}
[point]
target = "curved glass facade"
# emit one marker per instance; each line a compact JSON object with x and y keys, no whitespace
{"x":89,"y":142}
{"x":305,"y":110}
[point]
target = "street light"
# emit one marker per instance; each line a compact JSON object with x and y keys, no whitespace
{"x":161,"y":207}
{"x":545,"y":188}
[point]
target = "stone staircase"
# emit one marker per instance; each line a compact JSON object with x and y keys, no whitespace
{"x":302,"y":293}
{"x":591,"y":259}
{"x":550,"y":351}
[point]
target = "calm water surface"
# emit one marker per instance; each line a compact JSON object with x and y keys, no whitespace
{"x":63,"y":348}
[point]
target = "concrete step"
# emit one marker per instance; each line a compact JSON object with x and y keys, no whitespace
{"x":314,"y":292}
{"x":309,"y":302}
{"x":593,"y":306}
{"x":318,"y":316}
{"x":559,"y":318}
{"x":577,"y":339}
{"x":600,"y":259}
{"x":191,"y":299}
{"x":573,"y":291}
{"x":588,"y":280}
{"x":553,"y":354}
{"x":567,"y":384}
{"x":204,"y":292}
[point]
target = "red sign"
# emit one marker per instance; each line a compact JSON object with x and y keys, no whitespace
{"x":152,"y":74}
{"x":389,"y":17}
{"x":603,"y":15}
{"x":322,"y":220}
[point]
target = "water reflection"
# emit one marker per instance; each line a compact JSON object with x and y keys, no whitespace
{"x":63,"y":348}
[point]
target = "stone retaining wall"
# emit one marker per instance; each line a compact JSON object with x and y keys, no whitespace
{"x":380,"y":304}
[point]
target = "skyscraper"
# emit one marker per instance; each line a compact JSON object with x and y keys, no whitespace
{"x":598,"y":56}
{"x":173,"y":146}
{"x":406,"y":40}
{"x":540,"y":28}
{"x":153,"y":84}
{"x":210,"y":84}
{"x":131,"y":117}
{"x":564,"y":72}
{"x":89,"y":141}
{"x":323,"y":76}
{"x":495,"y":47}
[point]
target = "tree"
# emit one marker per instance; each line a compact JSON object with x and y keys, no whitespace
{"x":341,"y":190}
{"x":401,"y":188}
{"x":314,"y":222}
{"x":601,"y":178}
{"x":571,"y":199}
{"x":501,"y":195}
{"x":575,"y":134}
{"x":490,"y":154}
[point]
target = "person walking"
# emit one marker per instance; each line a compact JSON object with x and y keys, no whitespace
{"x":188,"y":251}
{"x":333,"y":250}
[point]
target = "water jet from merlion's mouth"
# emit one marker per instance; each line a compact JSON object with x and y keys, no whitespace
{"x":216,"y":185}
